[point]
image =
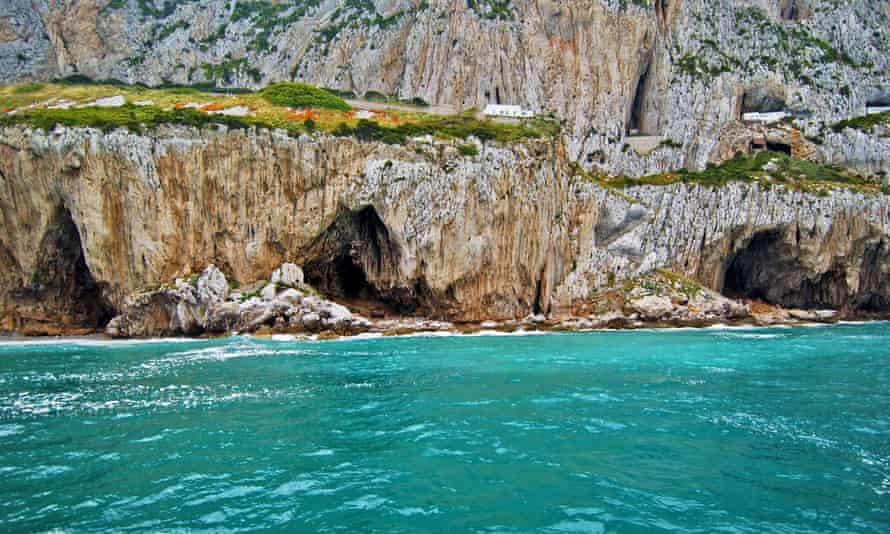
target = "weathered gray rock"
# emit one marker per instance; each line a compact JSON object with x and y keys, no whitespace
{"x":288,"y":275}
{"x":679,"y":71}
{"x":212,"y":285}
{"x":187,"y":310}
{"x":652,"y":307}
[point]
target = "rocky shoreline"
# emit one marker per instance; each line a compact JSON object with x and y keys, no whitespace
{"x":209,"y":305}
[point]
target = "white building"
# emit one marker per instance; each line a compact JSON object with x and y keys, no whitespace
{"x":513,"y":112}
{"x":872,"y":110}
{"x":764,"y":118}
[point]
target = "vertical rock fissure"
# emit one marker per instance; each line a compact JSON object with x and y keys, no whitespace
{"x":637,"y":123}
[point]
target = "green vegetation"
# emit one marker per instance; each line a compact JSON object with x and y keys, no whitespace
{"x":375,"y":96}
{"x":27,"y":88}
{"x":790,"y":48}
{"x":230,"y":66}
{"x":301,"y":95}
{"x":769,"y":167}
{"x":361,"y":14}
{"x":269,"y":108}
{"x":492,"y":9}
{"x":134,"y":118}
{"x":865,"y":123}
{"x":685,"y":285}
{"x":148,"y":10}
{"x":270,"y":17}
{"x":168,"y":30}
{"x":468,"y":150}
{"x":449,"y":127}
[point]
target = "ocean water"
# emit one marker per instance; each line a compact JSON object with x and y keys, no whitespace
{"x":734,"y":430}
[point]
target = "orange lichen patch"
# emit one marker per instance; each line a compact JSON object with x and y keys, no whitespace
{"x":180,"y":105}
{"x":350,"y":114}
{"x":211,"y":107}
{"x":378,"y":111}
{"x":563,"y":45}
{"x":301,"y":115}
{"x":6,"y":109}
{"x":759,"y":306}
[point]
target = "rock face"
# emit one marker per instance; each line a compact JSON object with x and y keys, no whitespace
{"x":419,"y":229}
{"x":678,"y":71}
{"x":206,"y":307}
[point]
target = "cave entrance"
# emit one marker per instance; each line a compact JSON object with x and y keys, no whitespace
{"x":768,"y":268}
{"x":878,"y":103}
{"x":777,"y":146}
{"x":62,"y":283}
{"x":636,"y":124}
{"x":761,"y":99}
{"x":355,"y":260}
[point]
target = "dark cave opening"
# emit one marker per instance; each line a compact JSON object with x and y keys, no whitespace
{"x":775,"y":146}
{"x":769,"y":268}
{"x":762,"y":100}
{"x":62,"y":283}
{"x":636,"y":123}
{"x":355,"y":260}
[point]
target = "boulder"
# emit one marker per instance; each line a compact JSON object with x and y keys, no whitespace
{"x":291,"y":296}
{"x":288,"y":275}
{"x":212,"y":286}
{"x":268,"y":293}
{"x":652,"y":307}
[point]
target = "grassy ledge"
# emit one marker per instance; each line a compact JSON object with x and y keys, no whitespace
{"x":766,"y":168}
{"x":294,"y":107}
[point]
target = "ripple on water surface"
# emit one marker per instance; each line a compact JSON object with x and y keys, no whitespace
{"x":715,"y":429}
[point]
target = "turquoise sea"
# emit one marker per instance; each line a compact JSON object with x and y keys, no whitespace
{"x":733,"y":430}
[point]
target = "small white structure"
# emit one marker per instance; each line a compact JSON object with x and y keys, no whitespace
{"x":764,"y":118}
{"x":873,"y":110}
{"x":110,"y":102}
{"x":512,"y":112}
{"x":234,"y":111}
{"x":364,"y":114}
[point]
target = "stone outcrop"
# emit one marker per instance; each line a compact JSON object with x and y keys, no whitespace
{"x":678,"y":71}
{"x":206,"y":306}
{"x":416,"y":229}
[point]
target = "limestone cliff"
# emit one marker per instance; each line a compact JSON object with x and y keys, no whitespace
{"x":680,"y":71}
{"x":87,"y":218}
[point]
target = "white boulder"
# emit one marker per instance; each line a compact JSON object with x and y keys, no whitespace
{"x":212,"y":285}
{"x":288,"y":275}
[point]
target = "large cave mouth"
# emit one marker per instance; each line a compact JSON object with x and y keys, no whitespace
{"x":62,"y":282}
{"x":637,"y":123}
{"x":356,"y":260}
{"x":769,"y":268}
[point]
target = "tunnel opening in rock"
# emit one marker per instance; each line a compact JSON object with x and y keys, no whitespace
{"x":762,"y":100}
{"x":62,"y":286}
{"x":356,"y":261}
{"x":878,"y":102}
{"x":777,"y":146}
{"x":769,"y":268}
{"x":637,"y":123}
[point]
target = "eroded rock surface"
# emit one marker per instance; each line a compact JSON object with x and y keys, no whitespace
{"x":678,"y":71}
{"x":416,"y":229}
{"x":206,"y":306}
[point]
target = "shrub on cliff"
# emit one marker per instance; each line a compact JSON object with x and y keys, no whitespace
{"x":301,"y":95}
